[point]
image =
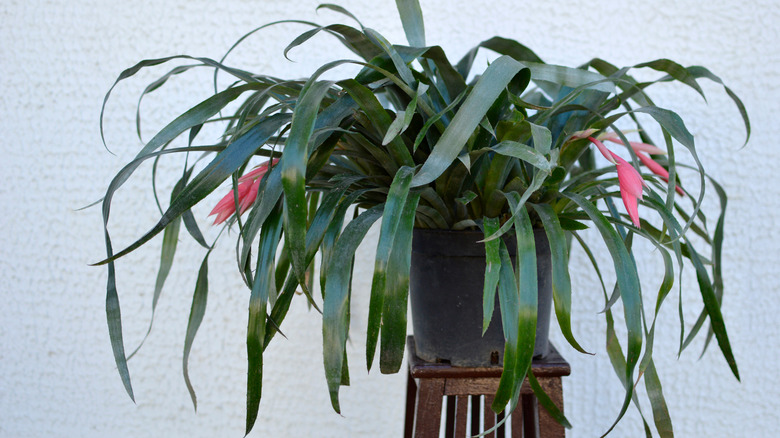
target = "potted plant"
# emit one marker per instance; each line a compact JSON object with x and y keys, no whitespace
{"x":514,"y":154}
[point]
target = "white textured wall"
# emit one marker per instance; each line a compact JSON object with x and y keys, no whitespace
{"x":57,"y":377}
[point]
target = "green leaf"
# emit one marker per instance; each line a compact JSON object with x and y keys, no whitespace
{"x":492,"y":83}
{"x":258,"y":301}
{"x":536,"y":183}
{"x":167,"y":251}
{"x":215,"y":100}
{"x":197,"y":310}
{"x":492,"y":270}
{"x":268,"y":195}
{"x":335,"y":305}
{"x":699,"y":71}
{"x":224,"y":164}
{"x":712,"y":306}
{"x":628,"y":283}
{"x":542,"y":138}
{"x":393,"y":330}
{"x":391,"y":218}
{"x":114,"y":319}
{"x":569,"y":77}
{"x":271,"y":185}
{"x":561,"y":283}
{"x":293,"y":168}
{"x":527,"y":286}
{"x":434,"y":119}
{"x":379,"y":118}
{"x":509,"y":304}
{"x":503,"y":46}
{"x":663,"y":421}
{"x":398,"y":61}
{"x":674,"y":70}
{"x":524,"y":152}
{"x":546,"y":401}
{"x":404,"y":118}
{"x":412,"y":20}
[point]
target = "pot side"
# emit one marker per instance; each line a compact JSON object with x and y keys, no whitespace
{"x":446,"y":288}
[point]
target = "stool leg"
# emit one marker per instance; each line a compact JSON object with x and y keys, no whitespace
{"x":411,"y":397}
{"x":428,"y":413}
{"x":550,"y":427}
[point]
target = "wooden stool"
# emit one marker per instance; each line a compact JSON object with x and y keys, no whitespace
{"x":429,"y":383}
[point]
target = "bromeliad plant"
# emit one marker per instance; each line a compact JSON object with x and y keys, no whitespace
{"x":412,"y":141}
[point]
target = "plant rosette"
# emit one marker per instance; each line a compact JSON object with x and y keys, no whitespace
{"x":410,"y":142}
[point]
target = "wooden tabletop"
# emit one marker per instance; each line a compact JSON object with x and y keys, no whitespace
{"x":552,"y":365}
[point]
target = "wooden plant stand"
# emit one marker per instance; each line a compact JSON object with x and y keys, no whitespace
{"x":429,"y":383}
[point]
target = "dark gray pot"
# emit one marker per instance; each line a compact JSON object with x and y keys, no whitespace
{"x":446,"y":283}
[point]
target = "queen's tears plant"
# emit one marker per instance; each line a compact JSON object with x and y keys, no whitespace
{"x":415,"y":140}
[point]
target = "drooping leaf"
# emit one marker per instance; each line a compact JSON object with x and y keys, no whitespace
{"x":561,"y":283}
{"x":490,"y":85}
{"x":258,"y":301}
{"x":197,"y":311}
{"x":628,"y":283}
{"x":394,"y":309}
{"x":391,"y":218}
{"x":224,"y":164}
{"x":492,"y":270}
{"x":334,"y":307}
{"x":293,"y":170}
{"x":412,"y":20}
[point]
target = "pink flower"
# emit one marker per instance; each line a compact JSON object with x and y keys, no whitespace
{"x":629,"y":180}
{"x":651,"y":164}
{"x":248,"y":185}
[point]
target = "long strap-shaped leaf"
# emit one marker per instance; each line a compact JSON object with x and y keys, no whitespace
{"x":197,"y":310}
{"x":114,"y":319}
{"x":272,"y":186}
{"x":412,"y":20}
{"x":243,"y":75}
{"x":561,"y":283}
{"x":391,"y":218}
{"x":493,"y":81}
{"x":219,"y":169}
{"x":527,"y":287}
{"x":712,"y":307}
{"x":258,"y":301}
{"x":394,"y":308}
{"x":335,"y":307}
{"x":628,"y":283}
{"x":509,"y":304}
{"x":379,"y":118}
{"x":167,"y":252}
{"x":293,"y":165}
{"x":524,"y":152}
{"x":492,"y":271}
{"x":225,"y":163}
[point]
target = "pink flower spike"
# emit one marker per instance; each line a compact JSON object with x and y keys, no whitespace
{"x":631,"y":207}
{"x":635,"y":145}
{"x":631,"y":184}
{"x":248,"y":186}
{"x":647,"y":148}
{"x":657,"y":169}
{"x":603,"y":149}
{"x":227,"y":205}
{"x":258,"y":171}
{"x":629,"y":179}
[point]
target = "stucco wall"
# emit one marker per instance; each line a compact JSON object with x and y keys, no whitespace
{"x":57,"y":376}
